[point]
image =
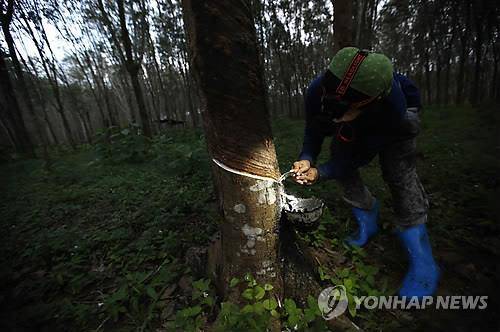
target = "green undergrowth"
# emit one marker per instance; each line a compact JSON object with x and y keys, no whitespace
{"x":258,"y":310}
{"x":97,"y":239}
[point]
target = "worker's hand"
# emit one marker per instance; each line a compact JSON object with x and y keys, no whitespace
{"x":301,"y":166}
{"x":308,"y":178}
{"x":348,"y":116}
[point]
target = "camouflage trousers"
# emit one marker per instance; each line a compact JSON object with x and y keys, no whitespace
{"x":398,"y":164}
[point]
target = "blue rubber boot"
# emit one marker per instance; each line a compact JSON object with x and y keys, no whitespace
{"x":423,"y":273}
{"x":367,"y":225}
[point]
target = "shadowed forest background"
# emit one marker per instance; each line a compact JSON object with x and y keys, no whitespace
{"x":80,"y":67}
{"x":107,"y":195}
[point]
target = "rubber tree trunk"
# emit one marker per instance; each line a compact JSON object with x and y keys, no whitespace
{"x":11,"y":113}
{"x":133,"y":67}
{"x":342,"y":24}
{"x":461,"y":71}
{"x":428,"y":79}
{"x":494,"y":79}
{"x":50,"y":72}
{"x":478,"y":49}
{"x":139,"y":97}
{"x":22,"y":83}
{"x":438,"y":80}
{"x":238,"y":132}
{"x":464,"y":45}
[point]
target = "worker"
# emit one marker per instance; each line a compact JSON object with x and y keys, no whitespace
{"x":370,"y":110}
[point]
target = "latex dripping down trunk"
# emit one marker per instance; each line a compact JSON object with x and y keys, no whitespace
{"x":302,"y":212}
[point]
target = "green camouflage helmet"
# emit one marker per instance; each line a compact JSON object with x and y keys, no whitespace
{"x":374,"y":76}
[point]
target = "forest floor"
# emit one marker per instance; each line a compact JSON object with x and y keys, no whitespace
{"x":93,"y":243}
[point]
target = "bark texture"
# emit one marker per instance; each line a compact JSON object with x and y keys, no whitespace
{"x":6,"y":20}
{"x":10,"y":112}
{"x":133,"y":67}
{"x":238,"y":133}
{"x":224,"y":56}
{"x":249,"y":235}
{"x":342,"y":24}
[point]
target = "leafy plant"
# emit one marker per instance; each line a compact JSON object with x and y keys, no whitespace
{"x":191,"y":318}
{"x":261,"y":309}
{"x":359,"y":279}
{"x":122,"y":144}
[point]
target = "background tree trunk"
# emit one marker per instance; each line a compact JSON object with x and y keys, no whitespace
{"x":6,"y":19}
{"x":11,"y":112}
{"x":464,"y":44}
{"x":478,"y":50}
{"x":342,"y":24}
{"x":50,"y":70}
{"x":133,"y":67}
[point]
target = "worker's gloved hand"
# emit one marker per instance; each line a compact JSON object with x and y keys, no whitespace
{"x":308,"y":178}
{"x":301,"y":166}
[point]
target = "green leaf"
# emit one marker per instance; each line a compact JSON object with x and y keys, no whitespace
{"x":202,"y":285}
{"x":270,"y":304}
{"x":247,"y":309}
{"x":370,"y":280}
{"x":344,"y":272}
{"x":309,"y":315}
{"x":121,"y":294}
{"x":190,"y":311}
{"x":312,"y":302}
{"x":268,"y":287}
{"x":348,"y":284}
{"x":351,"y":305}
{"x":259,"y":292}
{"x":151,"y":292}
{"x":322,"y":275}
{"x":248,"y":294}
{"x":195,"y":311}
{"x":258,"y":307}
{"x":290,"y":305}
{"x":209,"y":301}
{"x":293,"y":320}
{"x":234,"y":282}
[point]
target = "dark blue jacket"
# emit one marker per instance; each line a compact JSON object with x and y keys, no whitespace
{"x":377,"y":126}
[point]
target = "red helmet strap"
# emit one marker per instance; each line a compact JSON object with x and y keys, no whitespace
{"x":350,"y":73}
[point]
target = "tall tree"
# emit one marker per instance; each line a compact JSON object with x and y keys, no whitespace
{"x":478,"y":15}
{"x":50,"y":68}
{"x":132,"y":61}
{"x":10,"y":112}
{"x":464,"y":35}
{"x":343,"y":24}
{"x":133,"y":66}
{"x":6,"y":19}
{"x":224,"y":52}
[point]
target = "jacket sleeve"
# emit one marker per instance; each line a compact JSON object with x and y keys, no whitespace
{"x":313,"y":139}
{"x":329,"y":170}
{"x":410,"y":91}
